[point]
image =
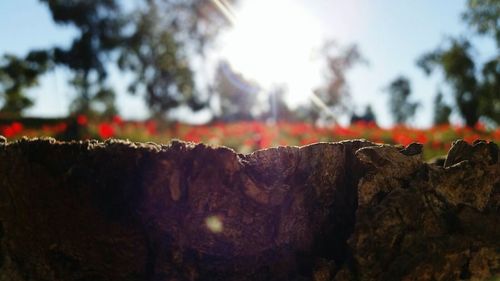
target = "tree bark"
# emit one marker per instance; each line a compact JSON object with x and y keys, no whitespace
{"x":352,"y":210}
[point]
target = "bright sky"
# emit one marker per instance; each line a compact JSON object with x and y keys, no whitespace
{"x":276,"y":46}
{"x":275,"y":42}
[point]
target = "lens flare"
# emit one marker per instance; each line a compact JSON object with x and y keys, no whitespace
{"x":214,"y":224}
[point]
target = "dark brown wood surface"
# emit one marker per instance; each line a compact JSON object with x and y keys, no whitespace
{"x":329,"y":211}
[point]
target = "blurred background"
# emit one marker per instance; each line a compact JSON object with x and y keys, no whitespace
{"x":251,"y":74}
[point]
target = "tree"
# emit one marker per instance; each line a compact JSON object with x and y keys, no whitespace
{"x":194,"y":23}
{"x":156,"y":43}
{"x":402,"y":109}
{"x":459,"y":71}
{"x":489,"y":104}
{"x":442,"y":111}
{"x":367,"y":117}
{"x":483,"y":16}
{"x":335,"y":93}
{"x":237,"y":96}
{"x":475,"y":87}
{"x":17,"y":74}
{"x":159,"y":66}
{"x":100,"y":25}
{"x":278,"y":109}
{"x":166,"y":36}
{"x":476,"y":94}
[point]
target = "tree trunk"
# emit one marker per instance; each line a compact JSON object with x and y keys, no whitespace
{"x":330,"y":211}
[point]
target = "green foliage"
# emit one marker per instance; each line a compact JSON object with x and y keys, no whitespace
{"x":483,"y":16}
{"x":17,"y":74}
{"x":475,"y":88}
{"x":154,"y":43}
{"x":193,"y":23}
{"x":489,"y":104}
{"x":166,"y":36}
{"x":402,"y":109}
{"x":100,"y":25}
{"x":102,"y":103}
{"x":476,"y":94}
{"x":459,"y":71}
{"x":159,"y":66}
{"x":441,"y":110}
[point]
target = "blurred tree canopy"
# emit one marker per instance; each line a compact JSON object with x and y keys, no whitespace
{"x":483,"y":16}
{"x":278,"y":109}
{"x":402,"y":109}
{"x":155,"y":43}
{"x":99,"y":24}
{"x":237,"y":96}
{"x":194,"y":23}
{"x":442,"y":111}
{"x":166,"y":35}
{"x":159,"y":66}
{"x":475,"y":87}
{"x":335,"y":92}
{"x":368,"y":116}
{"x":18,"y":74}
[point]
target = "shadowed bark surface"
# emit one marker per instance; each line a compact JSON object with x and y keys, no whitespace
{"x":329,"y":211}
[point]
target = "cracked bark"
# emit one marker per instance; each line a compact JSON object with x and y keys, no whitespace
{"x":131,"y":211}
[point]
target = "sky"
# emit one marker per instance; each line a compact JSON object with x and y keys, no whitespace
{"x":276,"y":42}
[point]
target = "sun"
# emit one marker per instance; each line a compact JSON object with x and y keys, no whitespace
{"x":275,"y":43}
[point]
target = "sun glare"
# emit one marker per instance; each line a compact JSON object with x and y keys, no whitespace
{"x":275,"y":43}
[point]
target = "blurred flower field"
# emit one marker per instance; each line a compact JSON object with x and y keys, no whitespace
{"x":246,"y":137}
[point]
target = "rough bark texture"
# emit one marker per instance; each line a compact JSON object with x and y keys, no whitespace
{"x":417,"y":221}
{"x":330,"y":211}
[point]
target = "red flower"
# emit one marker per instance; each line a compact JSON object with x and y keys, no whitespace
{"x":61,"y":127}
{"x":192,"y":136}
{"x":480,"y":126}
{"x":343,"y":132}
{"x":401,"y":138}
{"x":264,"y":141}
{"x":471,"y":138}
{"x":13,"y":129}
{"x":82,"y":120}
{"x":8,"y":132}
{"x":421,"y":138}
{"x":151,"y":127}
{"x":300,"y":129}
{"x":106,"y":131}
{"x":117,"y":120}
{"x":16,"y":127}
{"x":308,"y":140}
{"x":496,"y":134}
